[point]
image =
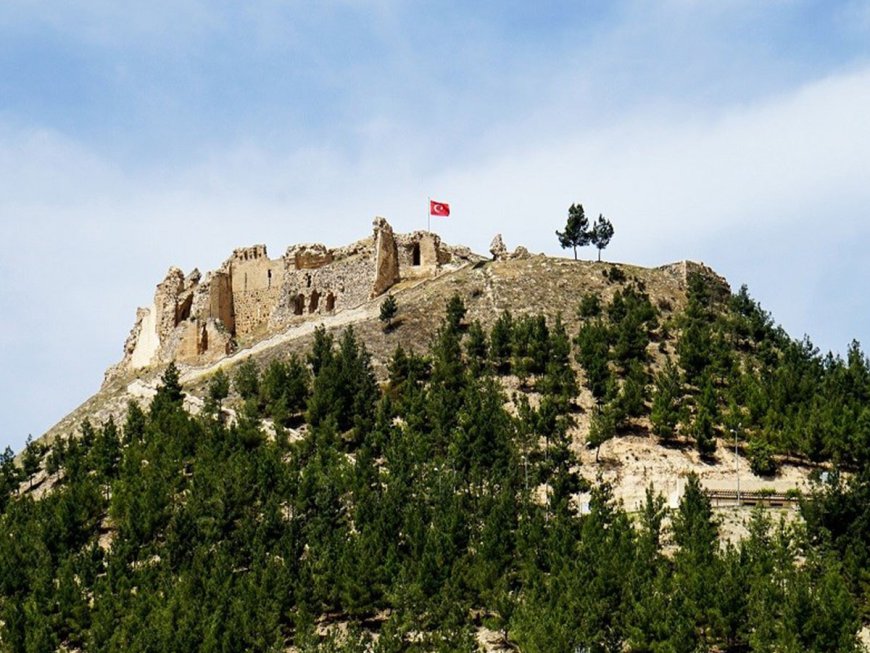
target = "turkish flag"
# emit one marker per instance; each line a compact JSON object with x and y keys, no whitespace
{"x":439,"y":208}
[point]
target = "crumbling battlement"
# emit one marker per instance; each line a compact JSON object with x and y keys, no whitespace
{"x":682,"y":270}
{"x":199,"y":319}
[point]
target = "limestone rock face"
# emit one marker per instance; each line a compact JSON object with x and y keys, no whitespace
{"x":520,"y":252}
{"x":386,"y":257}
{"x":497,"y":248}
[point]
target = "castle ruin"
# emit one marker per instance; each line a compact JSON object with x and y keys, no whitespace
{"x":198,"y":319}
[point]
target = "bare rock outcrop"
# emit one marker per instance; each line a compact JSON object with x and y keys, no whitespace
{"x":497,"y":248}
{"x":309,"y":257}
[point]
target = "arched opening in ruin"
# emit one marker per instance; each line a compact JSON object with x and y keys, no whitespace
{"x":269,"y":278}
{"x":330,"y":303}
{"x":415,"y":254}
{"x":315,"y":299}
{"x":299,"y":304}
{"x":308,"y":280}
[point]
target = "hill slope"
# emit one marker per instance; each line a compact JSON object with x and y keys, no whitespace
{"x":532,"y":285}
{"x":520,"y":457}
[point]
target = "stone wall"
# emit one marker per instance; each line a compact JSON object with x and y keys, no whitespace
{"x":256,"y":287}
{"x":324,"y":290}
{"x":386,"y":257}
{"x":418,"y":254}
{"x":196,"y":319}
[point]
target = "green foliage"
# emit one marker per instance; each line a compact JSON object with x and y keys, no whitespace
{"x":455,"y":311}
{"x":601,"y":233}
{"x":703,"y":425}
{"x":559,"y":383}
{"x":602,"y":428}
{"x":169,"y":395}
{"x":666,"y":403}
{"x":219,"y":387}
{"x":344,"y":389}
{"x":614,"y":274}
{"x":593,"y":353}
{"x":389,"y":308}
{"x":284,"y":389}
{"x":530,"y":346}
{"x":477,"y":349}
{"x":31,"y":458}
{"x":500,"y":342}
{"x":590,"y":306}
{"x":633,"y":393}
{"x":10,"y":476}
{"x":761,"y":457}
{"x":576,"y":233}
{"x":634,"y":319}
{"x":424,"y":502}
{"x":322,"y":350}
{"x":246,"y":379}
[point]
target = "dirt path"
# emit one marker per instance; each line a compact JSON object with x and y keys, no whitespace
{"x":364,"y":311}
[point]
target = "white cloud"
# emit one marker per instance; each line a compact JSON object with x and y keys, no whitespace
{"x":89,"y":241}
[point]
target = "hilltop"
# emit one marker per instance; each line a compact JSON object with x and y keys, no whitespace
{"x":263,"y":309}
{"x":520,"y":458}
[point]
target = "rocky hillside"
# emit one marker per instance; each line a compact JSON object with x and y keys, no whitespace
{"x":522,"y":284}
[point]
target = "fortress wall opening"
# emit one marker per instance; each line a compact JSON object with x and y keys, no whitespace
{"x":418,"y":254}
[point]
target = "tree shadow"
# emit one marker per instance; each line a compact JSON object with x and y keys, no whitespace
{"x":393,"y":325}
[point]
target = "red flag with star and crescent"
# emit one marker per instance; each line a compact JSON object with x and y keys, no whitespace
{"x":439,"y":208}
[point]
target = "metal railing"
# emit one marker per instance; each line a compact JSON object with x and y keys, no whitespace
{"x":728,"y":498}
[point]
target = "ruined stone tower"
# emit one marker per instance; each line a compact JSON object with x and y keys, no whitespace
{"x":198,"y":319}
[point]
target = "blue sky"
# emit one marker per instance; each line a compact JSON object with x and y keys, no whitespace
{"x":134,"y":136}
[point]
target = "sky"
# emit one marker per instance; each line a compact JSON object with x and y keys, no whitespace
{"x":135,"y":136}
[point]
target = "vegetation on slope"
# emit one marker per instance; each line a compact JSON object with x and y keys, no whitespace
{"x":418,"y":510}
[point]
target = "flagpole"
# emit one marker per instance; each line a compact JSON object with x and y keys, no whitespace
{"x":429,"y":214}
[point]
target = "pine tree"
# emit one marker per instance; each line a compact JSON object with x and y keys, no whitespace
{"x":477,"y":349}
{"x":389,"y":308}
{"x":559,"y":383}
{"x":246,"y":379}
{"x":696,"y":564}
{"x":704,"y":423}
{"x":30,"y":459}
{"x":455,"y":311}
{"x":590,"y":306}
{"x":593,"y":353}
{"x":134,"y":425}
{"x":576,"y":232}
{"x":666,"y":403}
{"x":10,"y":476}
{"x":218,"y":387}
{"x":169,"y":397}
{"x":601,"y":233}
{"x":322,"y":351}
{"x":500,"y":339}
{"x":602,"y":428}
